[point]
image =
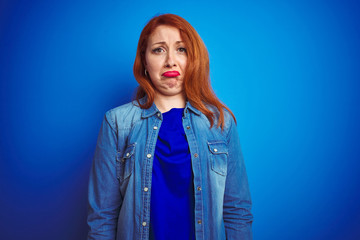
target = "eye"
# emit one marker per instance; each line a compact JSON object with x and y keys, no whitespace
{"x":157,"y":50}
{"x":182,"y":49}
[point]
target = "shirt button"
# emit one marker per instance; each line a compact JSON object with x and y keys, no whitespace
{"x":199,"y":222}
{"x":144,"y":224}
{"x":188,"y":127}
{"x":148,"y":156}
{"x":215,"y":150}
{"x":155,"y":127}
{"x":158,"y":114}
{"x":128,"y":154}
{"x":146,"y":189}
{"x":198,"y":188}
{"x":196,"y":155}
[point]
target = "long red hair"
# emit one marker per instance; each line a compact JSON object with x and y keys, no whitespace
{"x":197,"y":88}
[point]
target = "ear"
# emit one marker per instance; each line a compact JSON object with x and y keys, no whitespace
{"x":143,"y":58}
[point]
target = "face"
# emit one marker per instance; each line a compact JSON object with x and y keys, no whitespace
{"x":166,"y":58}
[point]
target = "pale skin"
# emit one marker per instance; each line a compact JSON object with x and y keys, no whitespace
{"x":166,"y":52}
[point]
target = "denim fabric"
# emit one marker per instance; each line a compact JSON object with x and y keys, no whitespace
{"x":120,"y":179}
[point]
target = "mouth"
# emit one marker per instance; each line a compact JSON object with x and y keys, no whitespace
{"x":171,"y":74}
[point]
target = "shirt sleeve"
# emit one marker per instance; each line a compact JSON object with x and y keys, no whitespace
{"x":237,"y":201}
{"x":104,"y":195}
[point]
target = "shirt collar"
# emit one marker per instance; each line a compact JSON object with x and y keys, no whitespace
{"x":150,"y":111}
{"x":190,"y":107}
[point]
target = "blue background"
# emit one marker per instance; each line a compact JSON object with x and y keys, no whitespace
{"x":288,"y":69}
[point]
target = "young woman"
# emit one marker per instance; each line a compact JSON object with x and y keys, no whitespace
{"x":168,"y":165}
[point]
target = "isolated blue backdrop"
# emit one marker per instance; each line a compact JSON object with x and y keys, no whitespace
{"x":288,"y":69}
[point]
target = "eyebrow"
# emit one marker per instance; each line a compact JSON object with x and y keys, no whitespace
{"x":177,"y":42}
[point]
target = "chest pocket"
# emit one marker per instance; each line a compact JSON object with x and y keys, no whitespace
{"x":125,"y":163}
{"x":218,"y":157}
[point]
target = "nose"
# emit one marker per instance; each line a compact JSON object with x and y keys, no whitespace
{"x":170,"y":60}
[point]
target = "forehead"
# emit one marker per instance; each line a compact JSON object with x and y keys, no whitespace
{"x":165,"y":33}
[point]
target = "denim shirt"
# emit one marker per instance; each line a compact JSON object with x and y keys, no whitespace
{"x":120,"y":179}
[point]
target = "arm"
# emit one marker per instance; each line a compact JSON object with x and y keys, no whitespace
{"x":237,"y":201}
{"x":104,"y":196}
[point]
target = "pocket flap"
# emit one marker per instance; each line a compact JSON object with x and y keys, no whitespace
{"x":218,"y":147}
{"x":129,"y":151}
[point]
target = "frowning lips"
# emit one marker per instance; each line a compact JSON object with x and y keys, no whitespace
{"x":171,"y":74}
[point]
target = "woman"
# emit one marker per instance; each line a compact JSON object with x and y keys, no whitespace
{"x":169,"y":165}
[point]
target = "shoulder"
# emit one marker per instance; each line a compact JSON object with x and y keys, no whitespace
{"x":229,"y":123}
{"x":228,"y":118}
{"x":124,"y":116}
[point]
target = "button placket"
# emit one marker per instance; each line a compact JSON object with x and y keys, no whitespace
{"x":196,"y":166}
{"x":146,"y":183}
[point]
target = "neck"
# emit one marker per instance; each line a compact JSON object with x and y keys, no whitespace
{"x":165,"y":103}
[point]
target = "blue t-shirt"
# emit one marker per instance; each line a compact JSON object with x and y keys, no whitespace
{"x":172,"y":190}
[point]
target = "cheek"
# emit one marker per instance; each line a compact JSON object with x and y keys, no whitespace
{"x":152,"y":69}
{"x":153,"y":64}
{"x":183,"y":64}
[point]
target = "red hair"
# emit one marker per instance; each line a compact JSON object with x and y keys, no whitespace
{"x":197,"y":88}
